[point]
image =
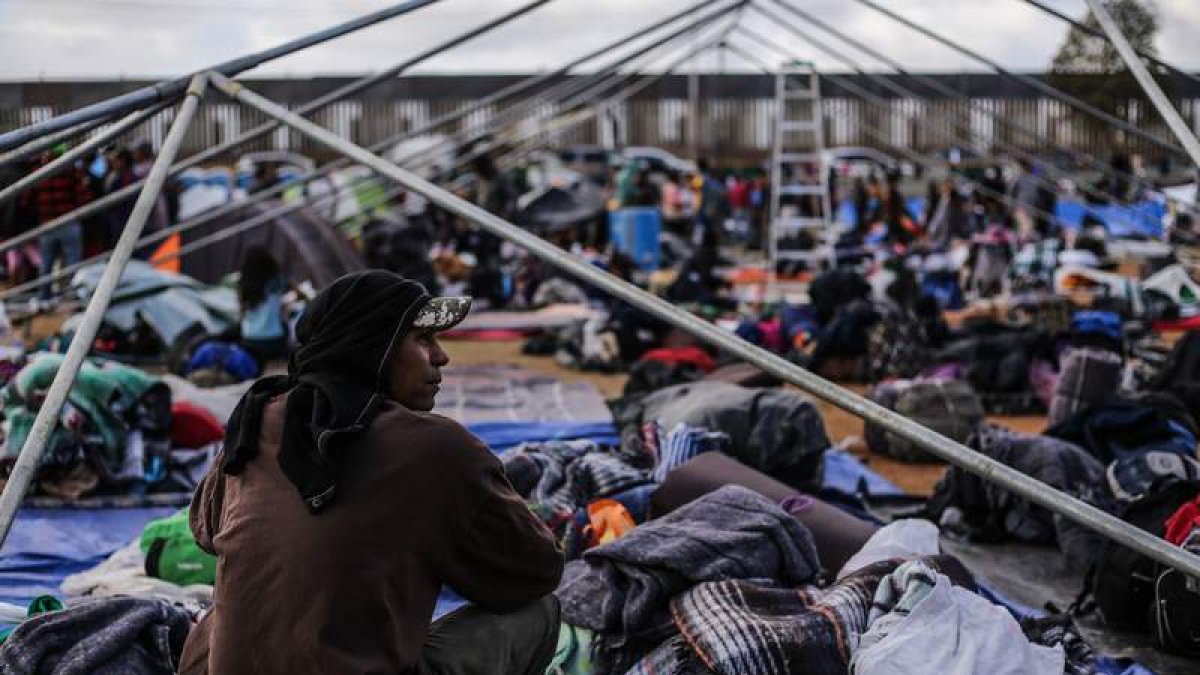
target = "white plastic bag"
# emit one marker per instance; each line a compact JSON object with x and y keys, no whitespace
{"x":952,"y":630}
{"x":910,"y":538}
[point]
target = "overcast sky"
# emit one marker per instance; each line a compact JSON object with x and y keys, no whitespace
{"x":57,"y":39}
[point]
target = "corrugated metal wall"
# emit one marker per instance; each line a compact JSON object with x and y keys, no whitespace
{"x":736,"y":115}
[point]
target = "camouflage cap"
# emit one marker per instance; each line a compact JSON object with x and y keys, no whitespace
{"x":441,"y":314}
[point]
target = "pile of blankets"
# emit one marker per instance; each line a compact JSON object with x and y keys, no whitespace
{"x":118,"y":433}
{"x":126,"y":635}
{"x":730,"y":583}
{"x":560,"y":479}
{"x":1108,"y":455}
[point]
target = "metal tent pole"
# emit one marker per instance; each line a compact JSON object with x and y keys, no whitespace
{"x":170,"y":89}
{"x":329,"y":168}
{"x":48,"y":141}
{"x":748,"y":57}
{"x":293,"y":207}
{"x":47,"y":417}
{"x":557,"y":90}
{"x":989,"y":469}
{"x":1100,"y":34}
{"x":67,"y":159}
{"x":590,"y":86}
{"x":1168,"y":112}
{"x":113,"y":198}
{"x":623,"y":95}
{"x":903,"y":91}
{"x":1025,"y":79}
{"x":275,"y":213}
{"x":633,"y":90}
{"x":942,"y":89}
{"x":580,"y":117}
{"x":315,"y":202}
{"x":912,"y":155}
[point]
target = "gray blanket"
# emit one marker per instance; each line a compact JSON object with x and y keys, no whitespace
{"x":124,"y":635}
{"x":622,"y":590}
{"x":987,"y":512}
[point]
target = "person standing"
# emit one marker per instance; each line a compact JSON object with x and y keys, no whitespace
{"x":1025,"y":194}
{"x":52,"y":197}
{"x":713,"y":207}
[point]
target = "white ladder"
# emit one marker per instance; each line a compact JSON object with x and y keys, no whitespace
{"x":799,"y":199}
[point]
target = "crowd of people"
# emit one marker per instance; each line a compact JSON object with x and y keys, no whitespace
{"x":64,"y":191}
{"x":617,"y":556}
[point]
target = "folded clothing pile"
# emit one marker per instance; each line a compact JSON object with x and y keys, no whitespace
{"x":622,"y":590}
{"x":560,"y":479}
{"x":126,"y":635}
{"x":116,"y":434}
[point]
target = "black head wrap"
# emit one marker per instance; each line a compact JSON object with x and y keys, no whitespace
{"x":335,"y":379}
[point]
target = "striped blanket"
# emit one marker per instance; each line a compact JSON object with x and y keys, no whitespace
{"x":746,"y":628}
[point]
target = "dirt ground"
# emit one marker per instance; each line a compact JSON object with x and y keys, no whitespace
{"x":917,"y":479}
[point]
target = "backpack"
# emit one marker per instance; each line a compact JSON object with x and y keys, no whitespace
{"x":228,"y":357}
{"x":1132,"y":477}
{"x":949,"y":407}
{"x":898,"y":345}
{"x":172,"y":553}
{"x":1123,"y":581}
{"x":1175,"y":619}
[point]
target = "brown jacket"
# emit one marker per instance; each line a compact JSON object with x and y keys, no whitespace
{"x":421,"y":503}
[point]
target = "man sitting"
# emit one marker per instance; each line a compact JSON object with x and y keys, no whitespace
{"x":340,"y":507}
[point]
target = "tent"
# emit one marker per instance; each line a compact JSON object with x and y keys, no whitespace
{"x":307,"y":246}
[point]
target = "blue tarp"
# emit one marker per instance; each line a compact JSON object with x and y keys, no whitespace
{"x":1138,"y":220}
{"x":47,"y":545}
{"x":1143,"y":219}
{"x":501,"y":436}
{"x":847,"y":473}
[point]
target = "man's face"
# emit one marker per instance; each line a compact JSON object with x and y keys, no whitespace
{"x":414,"y":374}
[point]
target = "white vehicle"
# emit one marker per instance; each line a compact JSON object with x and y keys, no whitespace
{"x":288,"y":166}
{"x":658,"y":160}
{"x":862,"y":162}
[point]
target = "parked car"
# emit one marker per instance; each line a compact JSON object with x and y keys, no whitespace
{"x":658,"y":160}
{"x":856,"y":162}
